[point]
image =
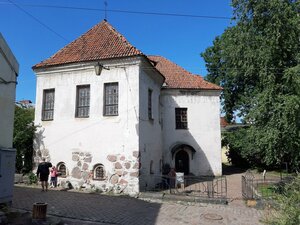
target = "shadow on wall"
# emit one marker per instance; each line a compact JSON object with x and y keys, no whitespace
{"x":198,"y":163}
{"x":184,"y":149}
{"x":39,"y":147}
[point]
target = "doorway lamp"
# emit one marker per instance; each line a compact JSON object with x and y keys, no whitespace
{"x":98,"y":68}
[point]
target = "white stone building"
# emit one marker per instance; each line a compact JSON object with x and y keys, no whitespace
{"x":9,"y":69}
{"x":115,"y":129}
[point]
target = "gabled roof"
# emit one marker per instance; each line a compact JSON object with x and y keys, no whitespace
{"x":177,"y":77}
{"x":100,"y":42}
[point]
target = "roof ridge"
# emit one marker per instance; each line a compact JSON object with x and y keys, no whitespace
{"x":180,"y":67}
{"x":74,"y":41}
{"x":120,"y":35}
{"x":102,"y":41}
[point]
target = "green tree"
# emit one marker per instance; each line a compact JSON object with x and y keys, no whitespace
{"x":24,"y":130}
{"x":256,"y":61}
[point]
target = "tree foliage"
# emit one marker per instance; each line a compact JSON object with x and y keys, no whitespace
{"x":24,"y":130}
{"x":257,"y":62}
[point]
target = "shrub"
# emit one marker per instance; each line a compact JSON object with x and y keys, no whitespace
{"x":32,"y":178}
{"x":288,"y":208}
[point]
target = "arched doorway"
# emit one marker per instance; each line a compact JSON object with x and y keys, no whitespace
{"x":182,"y":162}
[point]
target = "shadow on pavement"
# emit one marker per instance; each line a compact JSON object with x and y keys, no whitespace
{"x":88,"y":207}
{"x":229,"y":170}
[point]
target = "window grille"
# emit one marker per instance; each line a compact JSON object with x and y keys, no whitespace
{"x":99,"y":172}
{"x":181,"y":118}
{"x":48,"y":104}
{"x":83,"y":101}
{"x":111,"y":97}
{"x":61,"y":169}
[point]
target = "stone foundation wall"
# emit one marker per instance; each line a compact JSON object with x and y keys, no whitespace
{"x":121,"y":177}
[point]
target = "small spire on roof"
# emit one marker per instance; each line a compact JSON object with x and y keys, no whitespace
{"x":105,"y":10}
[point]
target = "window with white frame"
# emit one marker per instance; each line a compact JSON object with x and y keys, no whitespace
{"x":48,"y":104}
{"x":82,"y":101}
{"x":98,"y":172}
{"x":111,"y":98}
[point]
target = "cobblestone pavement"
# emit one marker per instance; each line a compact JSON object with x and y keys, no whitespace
{"x":105,"y":209}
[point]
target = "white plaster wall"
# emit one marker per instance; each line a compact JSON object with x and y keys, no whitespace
{"x":98,"y":135}
{"x":9,"y":68}
{"x":150,"y":142}
{"x":203,"y":133}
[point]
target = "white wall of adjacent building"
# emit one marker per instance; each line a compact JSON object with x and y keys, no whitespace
{"x":9,"y":68}
{"x":203,"y":133}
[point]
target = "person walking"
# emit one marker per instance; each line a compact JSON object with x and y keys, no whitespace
{"x":53,"y":174}
{"x":43,"y":173}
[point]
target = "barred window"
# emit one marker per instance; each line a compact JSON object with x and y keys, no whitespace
{"x":83,"y":101}
{"x":181,"y":118}
{"x":111,"y":97}
{"x":99,"y":172}
{"x":150,"y":104}
{"x":48,"y":104}
{"x":61,"y":169}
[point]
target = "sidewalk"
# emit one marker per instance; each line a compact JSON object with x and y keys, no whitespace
{"x":103,"y":209}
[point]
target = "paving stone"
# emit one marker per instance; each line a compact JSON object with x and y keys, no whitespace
{"x":103,"y":208}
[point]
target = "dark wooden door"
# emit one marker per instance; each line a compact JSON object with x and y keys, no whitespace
{"x":182,"y":162}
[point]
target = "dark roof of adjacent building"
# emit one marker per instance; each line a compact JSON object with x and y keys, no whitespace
{"x":177,"y":77}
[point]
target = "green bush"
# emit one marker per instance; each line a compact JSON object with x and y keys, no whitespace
{"x":288,"y":205}
{"x":32,"y":178}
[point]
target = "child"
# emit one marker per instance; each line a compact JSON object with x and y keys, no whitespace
{"x":53,"y":173}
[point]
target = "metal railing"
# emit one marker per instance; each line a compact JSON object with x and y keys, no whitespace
{"x":195,"y":186}
{"x":262,"y":188}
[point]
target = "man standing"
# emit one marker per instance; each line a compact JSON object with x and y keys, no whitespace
{"x":43,"y":173}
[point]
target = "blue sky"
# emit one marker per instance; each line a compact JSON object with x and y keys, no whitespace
{"x":180,"y":39}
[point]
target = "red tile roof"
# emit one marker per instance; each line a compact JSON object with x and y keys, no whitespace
{"x":177,"y":77}
{"x":104,"y":42}
{"x":100,"y":42}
